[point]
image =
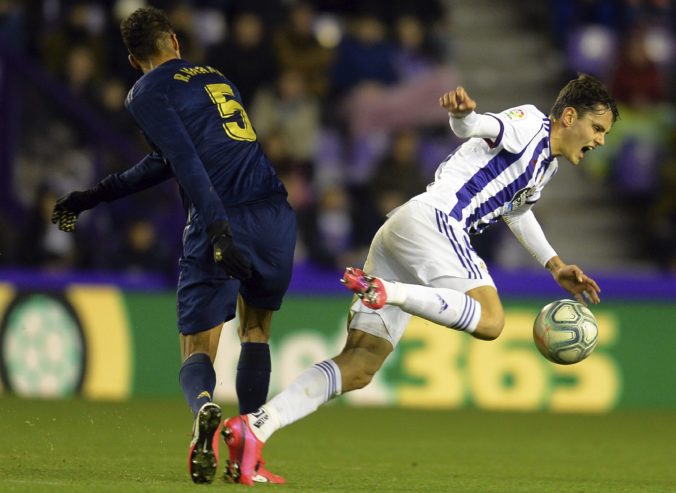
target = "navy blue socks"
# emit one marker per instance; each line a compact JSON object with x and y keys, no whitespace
{"x":198,"y":380}
{"x":253,"y":376}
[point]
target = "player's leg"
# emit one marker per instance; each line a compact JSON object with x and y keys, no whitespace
{"x":205,"y":300}
{"x":361,"y":359}
{"x":268,"y":230}
{"x":492,"y":314}
{"x":371,"y":338}
{"x":198,"y":380}
{"x":352,"y":369}
{"x":266,"y":233}
{"x":253,"y":380}
{"x":476,"y":310}
{"x":441,"y":271}
{"x":197,"y":375}
{"x":254,"y":366}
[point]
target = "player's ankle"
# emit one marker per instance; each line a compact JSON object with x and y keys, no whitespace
{"x":263,"y":422}
{"x":396,"y":292}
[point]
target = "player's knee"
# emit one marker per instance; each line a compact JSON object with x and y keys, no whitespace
{"x":254,"y":334}
{"x":490,"y":326}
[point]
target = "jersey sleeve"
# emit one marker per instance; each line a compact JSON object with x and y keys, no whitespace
{"x":519,"y":126}
{"x":148,"y":172}
{"x":527,"y":230}
{"x":164,"y":128}
{"x":477,"y":125}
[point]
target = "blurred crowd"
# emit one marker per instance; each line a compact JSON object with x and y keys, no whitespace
{"x":630,"y":44}
{"x":343,"y":97}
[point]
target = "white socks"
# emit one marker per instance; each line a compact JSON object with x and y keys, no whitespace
{"x":312,"y":388}
{"x":439,"y":305}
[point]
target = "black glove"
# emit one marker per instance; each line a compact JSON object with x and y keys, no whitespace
{"x":69,"y":206}
{"x":226,"y":253}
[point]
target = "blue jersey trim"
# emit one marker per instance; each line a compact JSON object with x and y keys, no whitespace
{"x":481,"y":179}
{"x":495,"y":143}
{"x":506,"y":194}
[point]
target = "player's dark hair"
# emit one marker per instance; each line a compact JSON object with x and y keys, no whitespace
{"x":145,"y":31}
{"x":585,"y":94}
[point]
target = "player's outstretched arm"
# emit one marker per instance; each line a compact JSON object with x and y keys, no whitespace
{"x":464,"y":121}
{"x":150,"y":171}
{"x":571,"y":278}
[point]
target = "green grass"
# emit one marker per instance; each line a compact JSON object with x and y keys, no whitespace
{"x":140,"y":446}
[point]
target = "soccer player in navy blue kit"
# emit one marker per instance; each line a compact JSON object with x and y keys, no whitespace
{"x":240,"y":234}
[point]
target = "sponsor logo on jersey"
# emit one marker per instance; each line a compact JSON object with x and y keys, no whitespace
{"x":516,"y":114}
{"x":520,"y":198}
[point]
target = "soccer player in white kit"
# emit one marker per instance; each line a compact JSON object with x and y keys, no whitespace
{"x":421,"y":261}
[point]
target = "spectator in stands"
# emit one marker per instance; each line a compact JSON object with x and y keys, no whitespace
{"x":181,"y":17}
{"x":364,"y":57}
{"x":77,"y":31}
{"x":111,"y":95}
{"x":420,"y":71}
{"x":430,"y":13}
{"x":41,"y":245}
{"x":660,"y":244}
{"x":270,"y":12}
{"x":11,"y":25}
{"x":568,"y":14}
{"x":637,"y":80}
{"x":657,"y":12}
{"x":291,"y":111}
{"x":143,"y":250}
{"x":416,"y":52}
{"x":398,"y":176}
{"x":326,"y":229}
{"x":638,"y":152}
{"x":80,"y":73}
{"x":54,"y":157}
{"x":246,"y":57}
{"x":297,"y":49}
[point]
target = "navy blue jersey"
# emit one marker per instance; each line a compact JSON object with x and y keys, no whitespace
{"x":193,"y":117}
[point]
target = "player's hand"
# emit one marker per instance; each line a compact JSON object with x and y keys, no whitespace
{"x":68,"y":207}
{"x":226,"y":254}
{"x":582,"y":287}
{"x":458,"y":103}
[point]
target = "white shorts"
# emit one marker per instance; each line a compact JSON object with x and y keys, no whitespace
{"x":421,"y":245}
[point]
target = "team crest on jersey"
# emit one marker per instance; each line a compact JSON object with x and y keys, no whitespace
{"x":516,"y":114}
{"x":521,"y":197}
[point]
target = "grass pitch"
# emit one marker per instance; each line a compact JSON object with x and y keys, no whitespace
{"x":141,"y":446}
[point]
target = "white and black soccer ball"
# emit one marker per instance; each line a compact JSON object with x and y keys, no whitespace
{"x":565,"y":332}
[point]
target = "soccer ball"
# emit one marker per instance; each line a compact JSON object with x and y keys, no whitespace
{"x":565,"y":332}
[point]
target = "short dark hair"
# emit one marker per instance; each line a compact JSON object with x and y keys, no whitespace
{"x":145,"y":31}
{"x":585,"y":94}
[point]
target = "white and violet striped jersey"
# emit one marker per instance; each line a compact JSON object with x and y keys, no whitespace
{"x":486,"y":178}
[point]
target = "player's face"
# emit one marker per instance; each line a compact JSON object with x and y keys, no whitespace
{"x":585,"y":133}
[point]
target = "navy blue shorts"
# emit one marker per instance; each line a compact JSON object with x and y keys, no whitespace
{"x":265,"y":232}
